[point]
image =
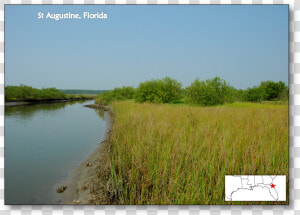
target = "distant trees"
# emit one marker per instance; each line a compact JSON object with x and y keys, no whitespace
{"x":23,"y":92}
{"x":77,"y":91}
{"x":27,"y":93}
{"x":51,"y":93}
{"x":206,"y":93}
{"x":164,"y":90}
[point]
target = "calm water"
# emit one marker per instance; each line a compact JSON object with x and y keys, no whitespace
{"x":43,"y":143}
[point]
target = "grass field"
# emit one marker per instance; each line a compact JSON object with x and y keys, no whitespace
{"x":180,"y":154}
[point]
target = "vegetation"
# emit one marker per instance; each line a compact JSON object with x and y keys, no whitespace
{"x":115,"y":94}
{"x":180,"y":154}
{"x":27,"y":93}
{"x":169,"y":153}
{"x":82,"y":92}
{"x":210,"y":92}
{"x":159,"y":91}
{"x":267,"y":91}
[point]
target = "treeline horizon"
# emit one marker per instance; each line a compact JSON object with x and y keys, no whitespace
{"x":209,"y":92}
{"x":166,"y":90}
{"x":82,"y":91}
{"x":27,"y":93}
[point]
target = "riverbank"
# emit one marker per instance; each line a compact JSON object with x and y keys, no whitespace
{"x":179,"y":154}
{"x":44,"y":101}
{"x":89,"y":182}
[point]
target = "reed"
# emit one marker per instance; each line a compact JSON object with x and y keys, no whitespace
{"x":180,"y":154}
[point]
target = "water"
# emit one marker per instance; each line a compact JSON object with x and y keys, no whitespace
{"x":43,"y":143}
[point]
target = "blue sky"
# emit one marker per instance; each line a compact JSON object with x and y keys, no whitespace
{"x":242,"y":44}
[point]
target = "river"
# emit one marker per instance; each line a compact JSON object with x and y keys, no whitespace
{"x":43,"y":143}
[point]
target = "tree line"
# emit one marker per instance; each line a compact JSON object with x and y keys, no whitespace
{"x":27,"y":93}
{"x":78,"y":91}
{"x":210,"y":92}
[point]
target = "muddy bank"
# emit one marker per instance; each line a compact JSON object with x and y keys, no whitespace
{"x":88,"y":183}
{"x":100,"y":107}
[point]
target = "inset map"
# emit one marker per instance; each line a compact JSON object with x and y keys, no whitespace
{"x":255,"y":188}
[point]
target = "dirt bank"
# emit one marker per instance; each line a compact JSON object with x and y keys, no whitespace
{"x":88,"y":183}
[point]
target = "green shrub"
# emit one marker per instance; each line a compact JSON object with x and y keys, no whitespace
{"x":210,"y":92}
{"x":164,"y":90}
{"x":266,"y":91}
{"x":51,"y":93}
{"x":24,"y":92}
{"x":273,"y":90}
{"x":254,"y":94}
{"x":123,"y":93}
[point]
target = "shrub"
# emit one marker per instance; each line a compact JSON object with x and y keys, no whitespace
{"x":267,"y":91}
{"x":24,"y":92}
{"x":210,"y":92}
{"x":254,"y":94}
{"x":52,"y":93}
{"x":123,"y":93}
{"x":273,"y":90}
{"x":164,"y":90}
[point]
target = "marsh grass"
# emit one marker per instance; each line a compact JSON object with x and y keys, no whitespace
{"x":180,"y":154}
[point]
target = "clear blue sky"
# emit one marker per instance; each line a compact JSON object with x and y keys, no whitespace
{"x":242,"y":44}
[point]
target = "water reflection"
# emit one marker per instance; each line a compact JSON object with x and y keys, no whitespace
{"x":100,"y":113}
{"x":43,"y":143}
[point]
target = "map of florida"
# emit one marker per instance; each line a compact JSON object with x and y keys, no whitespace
{"x":255,"y":188}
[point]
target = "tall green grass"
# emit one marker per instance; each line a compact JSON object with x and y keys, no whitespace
{"x":168,"y":154}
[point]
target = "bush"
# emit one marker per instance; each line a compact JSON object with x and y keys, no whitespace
{"x":254,"y":94}
{"x":51,"y":93}
{"x":210,"y":92}
{"x":267,"y":91}
{"x":273,"y":90}
{"x":164,"y":90}
{"x":123,"y":93}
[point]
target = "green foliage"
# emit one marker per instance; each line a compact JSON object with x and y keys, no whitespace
{"x":51,"y":93}
{"x":267,"y":91}
{"x":210,"y":92}
{"x":273,"y":90}
{"x":254,"y":94}
{"x":27,"y":93}
{"x":79,"y":97}
{"x":77,"y":91}
{"x":23,"y":92}
{"x":206,"y":93}
{"x":116,"y":94}
{"x":164,"y":90}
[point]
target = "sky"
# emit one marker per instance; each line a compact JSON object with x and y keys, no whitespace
{"x":242,"y":44}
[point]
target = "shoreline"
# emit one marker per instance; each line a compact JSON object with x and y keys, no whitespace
{"x":46,"y":101}
{"x":87,"y":183}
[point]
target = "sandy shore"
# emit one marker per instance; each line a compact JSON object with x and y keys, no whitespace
{"x":87,"y":184}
